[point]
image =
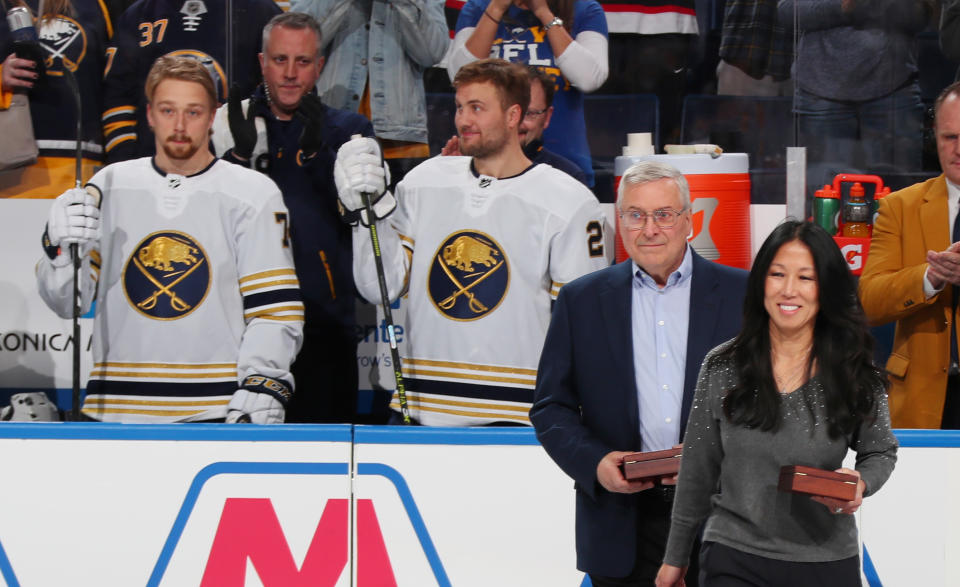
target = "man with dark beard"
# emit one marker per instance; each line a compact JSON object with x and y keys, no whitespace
{"x":481,"y":244}
{"x":198,"y":313}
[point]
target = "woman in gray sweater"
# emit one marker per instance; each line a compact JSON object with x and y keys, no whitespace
{"x":797,"y":386}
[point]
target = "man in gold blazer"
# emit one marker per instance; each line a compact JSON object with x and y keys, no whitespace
{"x":911,"y":276}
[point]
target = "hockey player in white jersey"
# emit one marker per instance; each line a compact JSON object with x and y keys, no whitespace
{"x":481,"y":244}
{"x":198,"y":313}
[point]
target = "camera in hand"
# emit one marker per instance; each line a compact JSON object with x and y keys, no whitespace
{"x":26,"y":43}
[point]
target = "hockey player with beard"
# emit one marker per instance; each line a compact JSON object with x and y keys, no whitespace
{"x":149,"y":29}
{"x":198,"y":313}
{"x":481,"y":244}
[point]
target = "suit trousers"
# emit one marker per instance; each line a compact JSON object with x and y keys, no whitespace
{"x":951,"y":406}
{"x":653,"y":526}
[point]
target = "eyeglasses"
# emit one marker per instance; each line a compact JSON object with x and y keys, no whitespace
{"x":663,"y":218}
{"x":531,"y":113}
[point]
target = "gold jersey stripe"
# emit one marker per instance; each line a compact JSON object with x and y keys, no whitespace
{"x":118,"y":110}
{"x":418,"y":398}
{"x":276,"y":310}
{"x":471,"y":367}
{"x":524,"y":419}
{"x":279,"y":318}
{"x":115,"y":126}
{"x":451,"y":375}
{"x":407,"y":239}
{"x":121,"y":139}
{"x":106,"y":18}
{"x":161,"y":375}
{"x":266,"y":274}
{"x":168,"y":365}
{"x":101,"y":401}
{"x":99,"y":411}
{"x":267,"y":284}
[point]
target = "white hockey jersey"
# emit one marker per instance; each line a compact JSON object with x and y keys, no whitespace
{"x":195,"y":288}
{"x":481,"y":259}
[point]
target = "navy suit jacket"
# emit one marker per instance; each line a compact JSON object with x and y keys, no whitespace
{"x":585,"y":403}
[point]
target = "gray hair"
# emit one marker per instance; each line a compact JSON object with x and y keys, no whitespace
{"x":647,"y":171}
{"x":291,"y":20}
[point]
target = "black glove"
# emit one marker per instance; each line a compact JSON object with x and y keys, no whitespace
{"x":310,"y":112}
{"x":244,"y":130}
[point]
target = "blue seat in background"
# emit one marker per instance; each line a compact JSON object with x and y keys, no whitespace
{"x":440,"y":127}
{"x":609,"y":118}
{"x":762,"y":127}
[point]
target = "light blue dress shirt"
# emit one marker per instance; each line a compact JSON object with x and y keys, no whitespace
{"x":660,"y":317}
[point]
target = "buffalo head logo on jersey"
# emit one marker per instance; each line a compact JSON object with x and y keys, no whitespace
{"x":469,"y":276}
{"x":65,"y":43}
{"x":167,"y":275}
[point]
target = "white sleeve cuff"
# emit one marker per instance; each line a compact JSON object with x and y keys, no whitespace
{"x":458,"y":54}
{"x":584,"y":62}
{"x":928,"y":290}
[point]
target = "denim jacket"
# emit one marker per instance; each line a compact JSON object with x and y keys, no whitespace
{"x":392,"y":41}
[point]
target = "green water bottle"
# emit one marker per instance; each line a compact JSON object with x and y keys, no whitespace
{"x":826,"y":209}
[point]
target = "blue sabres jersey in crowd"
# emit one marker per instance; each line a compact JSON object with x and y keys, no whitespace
{"x":152,"y":28}
{"x":74,"y":42}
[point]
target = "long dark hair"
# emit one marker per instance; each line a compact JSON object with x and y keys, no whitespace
{"x":842,"y":343}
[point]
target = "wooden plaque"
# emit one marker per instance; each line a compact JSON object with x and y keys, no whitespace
{"x":652,"y":465}
{"x":811,"y":481}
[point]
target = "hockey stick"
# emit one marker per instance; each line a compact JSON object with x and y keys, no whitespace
{"x":385,"y":303}
{"x":75,"y":250}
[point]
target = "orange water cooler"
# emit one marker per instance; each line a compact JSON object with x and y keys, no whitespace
{"x":720,"y":198}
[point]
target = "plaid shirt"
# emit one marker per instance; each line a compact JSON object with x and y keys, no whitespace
{"x":754,"y":41}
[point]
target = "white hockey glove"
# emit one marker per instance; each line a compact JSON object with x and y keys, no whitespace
{"x":74,"y":218}
{"x":254,"y":407}
{"x":360,"y":169}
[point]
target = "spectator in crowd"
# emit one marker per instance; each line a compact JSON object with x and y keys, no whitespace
{"x":857,"y":97}
{"x":535,"y":121}
{"x":652,"y":44}
{"x":200,"y":29}
{"x":73,"y":37}
{"x":567,"y":39}
{"x":198,"y":313}
{"x":950,"y":29}
{"x":797,"y":386}
{"x":377,"y":51}
{"x":480,"y":244}
{"x":618,"y":371}
{"x":756,"y":50}
{"x":435,"y":79}
{"x":912,"y":276}
{"x":297,"y":149}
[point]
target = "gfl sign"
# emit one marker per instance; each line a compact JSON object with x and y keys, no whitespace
{"x":290,"y":524}
{"x":854,"y":251}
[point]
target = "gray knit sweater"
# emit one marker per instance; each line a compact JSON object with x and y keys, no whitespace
{"x":860,"y":55}
{"x":729,"y":475}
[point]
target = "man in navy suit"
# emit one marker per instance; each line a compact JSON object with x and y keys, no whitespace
{"x":619,"y":367}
